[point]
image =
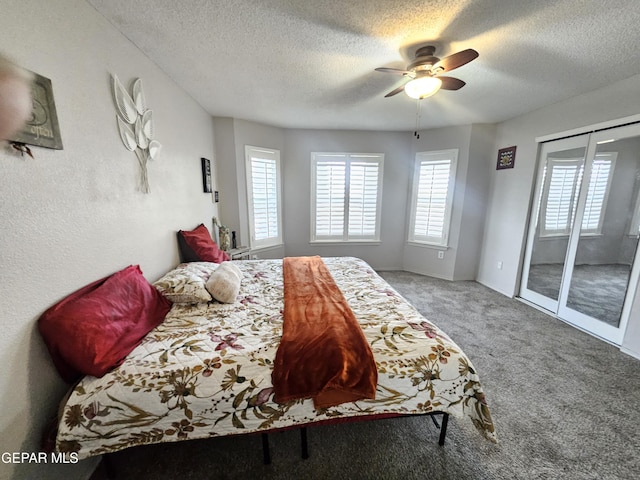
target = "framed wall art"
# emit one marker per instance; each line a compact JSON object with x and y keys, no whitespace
{"x":206,"y":175}
{"x":506,"y":158}
{"x":42,"y":129}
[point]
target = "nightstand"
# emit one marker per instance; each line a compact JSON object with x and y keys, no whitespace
{"x":240,"y":253}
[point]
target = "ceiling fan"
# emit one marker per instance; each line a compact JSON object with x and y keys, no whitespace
{"x":424,"y":72}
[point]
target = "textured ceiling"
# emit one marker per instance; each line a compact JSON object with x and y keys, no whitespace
{"x":310,"y":64}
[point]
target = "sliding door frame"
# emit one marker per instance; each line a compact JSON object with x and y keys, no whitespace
{"x":621,"y":128}
{"x":585,"y":322}
{"x":538,"y":299}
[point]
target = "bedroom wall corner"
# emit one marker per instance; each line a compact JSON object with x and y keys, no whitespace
{"x":424,"y":259}
{"x":396,"y":146}
{"x":476,"y":194}
{"x":72,"y":216}
{"x":257,"y":135}
{"x":226,"y":172}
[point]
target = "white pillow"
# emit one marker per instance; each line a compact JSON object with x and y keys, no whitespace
{"x":185,"y":284}
{"x":224,"y":283}
{"x":232,"y":266}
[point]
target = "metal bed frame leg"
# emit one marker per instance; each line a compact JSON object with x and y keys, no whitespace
{"x":266,"y":454}
{"x":109,"y":468}
{"x":304,"y":447}
{"x":443,"y":428}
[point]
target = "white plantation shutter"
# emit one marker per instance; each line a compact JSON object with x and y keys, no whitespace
{"x":265,"y":198}
{"x":346,"y":193}
{"x":432,"y":197}
{"x":330,"y":197}
{"x":597,"y":194}
{"x":563,"y":188}
{"x":363,"y":199}
{"x":263,"y":187}
{"x":562,"y":197}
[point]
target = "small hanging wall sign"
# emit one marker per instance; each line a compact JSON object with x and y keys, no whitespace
{"x":506,"y":158}
{"x":42,"y":129}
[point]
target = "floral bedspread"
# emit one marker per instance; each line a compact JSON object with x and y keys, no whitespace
{"x":206,"y":370}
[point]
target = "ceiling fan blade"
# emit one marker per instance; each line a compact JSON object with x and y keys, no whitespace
{"x":450,"y":83}
{"x":456,"y":60}
{"x":393,"y":70}
{"x":395,"y":91}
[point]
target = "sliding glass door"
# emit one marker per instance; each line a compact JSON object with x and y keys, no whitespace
{"x":581,"y":250}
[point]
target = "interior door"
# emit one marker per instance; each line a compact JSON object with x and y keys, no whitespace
{"x":601,"y":274}
{"x":552,"y":220}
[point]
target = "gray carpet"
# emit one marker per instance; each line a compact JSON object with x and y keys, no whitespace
{"x":596,"y":290}
{"x":566,"y":406}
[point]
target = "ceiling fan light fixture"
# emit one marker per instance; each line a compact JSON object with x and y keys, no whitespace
{"x":422,"y":87}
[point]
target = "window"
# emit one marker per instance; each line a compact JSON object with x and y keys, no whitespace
{"x":432,"y":197}
{"x":263,"y":191}
{"x":562,"y":187}
{"x":598,"y":193}
{"x":562,"y":190}
{"x":346,"y":195}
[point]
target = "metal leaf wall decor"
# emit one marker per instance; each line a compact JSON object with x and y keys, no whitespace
{"x":135,"y":124}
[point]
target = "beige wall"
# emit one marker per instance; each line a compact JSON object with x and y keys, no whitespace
{"x":75,"y":215}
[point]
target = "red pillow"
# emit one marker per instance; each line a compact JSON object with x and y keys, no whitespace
{"x":92,"y":330}
{"x":199,"y":240}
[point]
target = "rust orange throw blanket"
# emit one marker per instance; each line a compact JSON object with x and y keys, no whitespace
{"x":323,"y":353}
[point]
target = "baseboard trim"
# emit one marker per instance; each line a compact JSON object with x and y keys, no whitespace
{"x":630,"y":352}
{"x":506,"y":294}
{"x":553,"y":315}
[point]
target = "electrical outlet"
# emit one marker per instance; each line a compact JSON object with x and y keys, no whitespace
{"x":500,"y":265}
{"x":441,"y":254}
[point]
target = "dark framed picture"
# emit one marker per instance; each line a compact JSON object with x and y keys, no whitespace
{"x":42,"y":129}
{"x":506,"y":158}
{"x":206,"y":175}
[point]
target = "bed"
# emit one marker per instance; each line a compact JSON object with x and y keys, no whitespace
{"x":206,"y":370}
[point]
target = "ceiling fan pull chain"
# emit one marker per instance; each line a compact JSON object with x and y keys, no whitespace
{"x":418,"y":107}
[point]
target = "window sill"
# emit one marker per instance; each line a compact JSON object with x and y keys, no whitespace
{"x":262,"y":248}
{"x":342,"y":242}
{"x":434,"y":246}
{"x":565,"y":236}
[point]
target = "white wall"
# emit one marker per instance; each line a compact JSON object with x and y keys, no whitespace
{"x":508,"y":207}
{"x":227,"y":173}
{"x":475,"y":144}
{"x":474,"y":206}
{"x":396,"y":146}
{"x":460,"y":261}
{"x":72,"y":216}
{"x":424,"y":259}
{"x":256,"y":135}
{"x":232,"y":135}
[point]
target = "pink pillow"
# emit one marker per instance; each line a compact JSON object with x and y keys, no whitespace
{"x":92,"y":330}
{"x":199,"y":240}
